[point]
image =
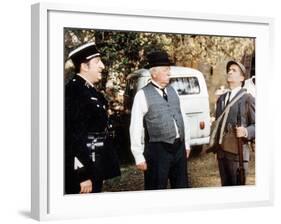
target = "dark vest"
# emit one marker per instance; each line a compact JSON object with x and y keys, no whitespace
{"x":159,"y":120}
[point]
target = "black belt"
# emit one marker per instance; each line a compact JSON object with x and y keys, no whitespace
{"x":177,"y":140}
{"x":100,"y":135}
{"x":96,"y":142}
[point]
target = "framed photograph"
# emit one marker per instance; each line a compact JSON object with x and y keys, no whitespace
{"x":58,"y":29}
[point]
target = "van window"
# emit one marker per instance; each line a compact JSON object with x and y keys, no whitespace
{"x":185,"y":85}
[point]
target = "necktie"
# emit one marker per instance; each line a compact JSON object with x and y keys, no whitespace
{"x":165,"y":96}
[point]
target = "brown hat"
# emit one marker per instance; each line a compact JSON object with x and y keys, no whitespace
{"x":241,"y":66}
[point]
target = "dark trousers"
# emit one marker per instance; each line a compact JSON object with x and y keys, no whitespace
{"x":228,"y":165}
{"x":165,"y":162}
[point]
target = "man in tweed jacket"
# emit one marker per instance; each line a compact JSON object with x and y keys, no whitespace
{"x":242,"y":110}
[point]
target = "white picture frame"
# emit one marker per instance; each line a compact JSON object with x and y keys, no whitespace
{"x":48,"y":200}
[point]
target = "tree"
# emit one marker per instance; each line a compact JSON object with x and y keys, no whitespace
{"x":189,"y":49}
{"x":123,"y":52}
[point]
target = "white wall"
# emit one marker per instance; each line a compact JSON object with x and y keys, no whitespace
{"x":15,"y":110}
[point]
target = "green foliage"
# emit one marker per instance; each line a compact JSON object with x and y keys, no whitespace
{"x":124,"y":52}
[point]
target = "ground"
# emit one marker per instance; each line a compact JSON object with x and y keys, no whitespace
{"x":202,"y":170}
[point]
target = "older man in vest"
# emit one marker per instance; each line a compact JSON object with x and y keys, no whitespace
{"x":159,"y":131}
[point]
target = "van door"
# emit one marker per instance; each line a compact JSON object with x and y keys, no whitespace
{"x":194,"y":100}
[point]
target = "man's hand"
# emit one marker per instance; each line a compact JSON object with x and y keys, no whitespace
{"x":241,"y":132}
{"x":86,"y":186}
{"x":187,"y":153}
{"x":142,"y":166}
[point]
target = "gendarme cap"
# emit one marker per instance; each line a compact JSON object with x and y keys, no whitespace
{"x":83,"y":53}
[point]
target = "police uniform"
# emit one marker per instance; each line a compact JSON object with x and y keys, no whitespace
{"x":88,"y":142}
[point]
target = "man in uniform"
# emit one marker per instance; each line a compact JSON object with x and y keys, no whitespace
{"x":156,"y":112}
{"x":89,"y":155}
{"x":238,"y":118}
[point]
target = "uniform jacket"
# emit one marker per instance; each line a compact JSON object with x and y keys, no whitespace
{"x":85,"y":112}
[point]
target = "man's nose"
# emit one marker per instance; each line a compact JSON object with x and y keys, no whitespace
{"x":102,"y":65}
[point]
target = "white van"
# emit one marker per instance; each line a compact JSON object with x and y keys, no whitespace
{"x":191,"y":87}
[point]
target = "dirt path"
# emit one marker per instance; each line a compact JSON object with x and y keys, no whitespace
{"x":203,"y":172}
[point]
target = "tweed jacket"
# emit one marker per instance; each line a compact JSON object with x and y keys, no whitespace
{"x":244,"y":107}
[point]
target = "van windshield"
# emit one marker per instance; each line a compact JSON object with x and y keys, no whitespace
{"x":185,"y":85}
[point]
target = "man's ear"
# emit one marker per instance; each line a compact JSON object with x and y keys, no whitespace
{"x":154,"y":73}
{"x":84,"y":67}
{"x":242,"y":76}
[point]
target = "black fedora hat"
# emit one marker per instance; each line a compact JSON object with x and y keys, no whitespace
{"x":158,"y":58}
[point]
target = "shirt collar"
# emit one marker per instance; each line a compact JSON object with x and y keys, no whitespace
{"x":234,"y":91}
{"x":157,"y":85}
{"x":88,"y":83}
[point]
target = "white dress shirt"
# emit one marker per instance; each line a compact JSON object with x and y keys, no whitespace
{"x":232,"y":93}
{"x":139,"y":110}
